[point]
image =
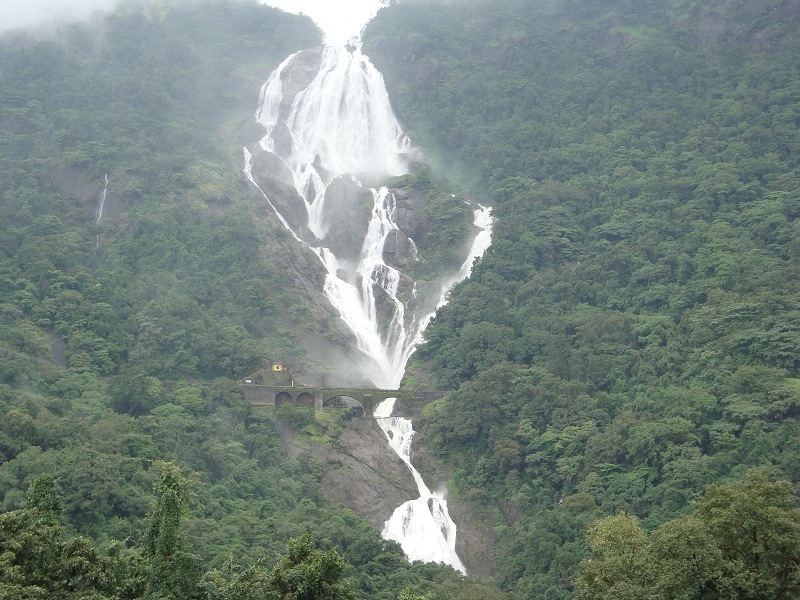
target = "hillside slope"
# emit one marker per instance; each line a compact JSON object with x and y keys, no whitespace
{"x":140,"y":277}
{"x":634,"y":333}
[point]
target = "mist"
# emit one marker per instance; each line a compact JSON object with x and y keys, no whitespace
{"x":33,"y":14}
{"x":339,"y":21}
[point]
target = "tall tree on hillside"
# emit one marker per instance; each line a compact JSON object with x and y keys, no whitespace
{"x":305,"y":573}
{"x":37,"y":562}
{"x":174,"y":572}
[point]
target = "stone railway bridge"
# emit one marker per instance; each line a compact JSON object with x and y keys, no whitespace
{"x":360,"y":401}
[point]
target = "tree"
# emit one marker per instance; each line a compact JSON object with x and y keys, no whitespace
{"x":408,"y":594}
{"x":37,"y":562}
{"x":305,"y":573}
{"x":42,"y":497}
{"x":742,"y":540}
{"x":756,"y":525}
{"x":618,"y":569}
{"x":174,"y":572}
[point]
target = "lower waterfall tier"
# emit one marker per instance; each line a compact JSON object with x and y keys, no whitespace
{"x":422,"y":527}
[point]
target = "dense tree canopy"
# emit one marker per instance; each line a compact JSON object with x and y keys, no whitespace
{"x":742,"y":540}
{"x":626,"y":353}
{"x":631,"y":336}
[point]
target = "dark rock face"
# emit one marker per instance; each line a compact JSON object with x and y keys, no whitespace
{"x":304,"y":69}
{"x":365,"y":474}
{"x":58,"y":347}
{"x":400,"y":248}
{"x":710,"y":27}
{"x":73,"y":182}
{"x":347,"y":211}
{"x":411,"y":213}
{"x":271,"y":175}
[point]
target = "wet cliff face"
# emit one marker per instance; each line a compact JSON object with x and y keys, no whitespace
{"x":365,"y":474}
{"x":347,"y":211}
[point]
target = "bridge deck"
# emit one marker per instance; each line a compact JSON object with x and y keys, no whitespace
{"x":318,"y":397}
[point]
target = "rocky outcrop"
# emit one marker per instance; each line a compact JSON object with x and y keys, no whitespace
{"x":411,"y":218}
{"x":364,"y":473}
{"x":74,"y":183}
{"x":305,"y":66}
{"x":274,"y":178}
{"x":347,"y":211}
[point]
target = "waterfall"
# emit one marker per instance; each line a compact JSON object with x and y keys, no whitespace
{"x":102,"y":202}
{"x":423,"y":527}
{"x":328,"y":121}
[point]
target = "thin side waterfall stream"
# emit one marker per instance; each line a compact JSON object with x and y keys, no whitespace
{"x":101,"y":204}
{"x":329,"y":124}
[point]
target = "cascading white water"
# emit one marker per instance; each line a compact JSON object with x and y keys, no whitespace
{"x":343,"y":119}
{"x":341,"y":124}
{"x":102,"y":202}
{"x":423,"y":527}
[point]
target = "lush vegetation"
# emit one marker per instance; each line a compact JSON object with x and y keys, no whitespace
{"x":444,"y":228}
{"x":633,"y":334}
{"x":626,"y":357}
{"x":739,"y":541}
{"x":39,"y":563}
{"x":120,"y":340}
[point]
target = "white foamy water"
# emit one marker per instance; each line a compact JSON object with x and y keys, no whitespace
{"x":334,"y":123}
{"x":422,"y":527}
{"x":342,"y":123}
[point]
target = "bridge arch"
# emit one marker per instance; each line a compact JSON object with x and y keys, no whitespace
{"x":305,"y":399}
{"x":355,"y":408}
{"x":282,"y":398}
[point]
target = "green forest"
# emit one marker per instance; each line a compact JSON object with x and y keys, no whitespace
{"x":633,"y":334}
{"x":625,"y":360}
{"x":131,"y":465}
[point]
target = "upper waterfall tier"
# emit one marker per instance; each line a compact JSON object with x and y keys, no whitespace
{"x":331,"y":120}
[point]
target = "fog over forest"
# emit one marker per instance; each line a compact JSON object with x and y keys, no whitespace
{"x":19,"y":14}
{"x":338,"y":25}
